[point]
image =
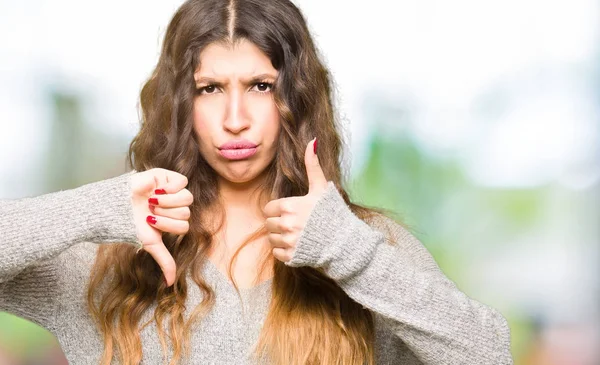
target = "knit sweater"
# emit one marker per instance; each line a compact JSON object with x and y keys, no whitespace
{"x":49,"y":243}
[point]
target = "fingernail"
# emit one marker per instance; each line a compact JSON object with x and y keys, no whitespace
{"x":315,"y":146}
{"x":165,"y":280}
{"x":160,"y":192}
{"x":150,"y":219}
{"x":153,"y":201}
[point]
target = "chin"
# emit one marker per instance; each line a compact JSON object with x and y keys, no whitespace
{"x":239,"y":177}
{"x":240,"y":172}
{"x":238,"y":180}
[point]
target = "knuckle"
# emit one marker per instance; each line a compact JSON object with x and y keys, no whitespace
{"x":268,"y":225}
{"x":190,"y":198}
{"x":272,"y":238}
{"x":287,"y":206}
{"x":268,"y":206}
{"x":185,"y":226}
{"x":289,"y":239}
{"x":276,"y":252}
{"x":286,"y":225}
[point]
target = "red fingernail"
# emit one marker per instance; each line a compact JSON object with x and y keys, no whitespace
{"x":150,"y":219}
{"x":153,"y":201}
{"x":315,"y":146}
{"x":160,"y":191}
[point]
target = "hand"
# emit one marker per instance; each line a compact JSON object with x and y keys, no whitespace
{"x":287,"y":217}
{"x":171,"y":214}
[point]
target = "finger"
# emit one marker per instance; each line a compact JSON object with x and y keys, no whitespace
{"x":273,"y":224}
{"x":181,"y":198}
{"x":281,"y":254}
{"x":316,"y":177}
{"x":165,"y":224}
{"x":163,"y":258}
{"x":180,"y":213}
{"x":278,"y":207}
{"x":170,"y":181}
{"x":273,"y":208}
{"x":276,"y":240}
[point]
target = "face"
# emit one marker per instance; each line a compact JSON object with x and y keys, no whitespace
{"x":234,"y":103}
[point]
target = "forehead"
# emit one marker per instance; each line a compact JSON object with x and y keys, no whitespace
{"x":243,"y":58}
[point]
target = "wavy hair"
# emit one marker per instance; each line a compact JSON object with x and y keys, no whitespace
{"x":309,"y":314}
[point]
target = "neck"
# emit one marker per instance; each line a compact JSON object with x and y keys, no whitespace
{"x":242,"y":197}
{"x":243,"y":215}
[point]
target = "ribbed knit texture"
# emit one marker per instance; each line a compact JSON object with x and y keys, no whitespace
{"x":49,"y":244}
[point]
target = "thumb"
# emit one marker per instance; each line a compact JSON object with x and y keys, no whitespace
{"x":316,"y":178}
{"x":170,"y":181}
{"x":163,"y":258}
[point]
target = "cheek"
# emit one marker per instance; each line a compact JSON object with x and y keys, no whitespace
{"x":265,"y":112}
{"x":205,"y":115}
{"x":274,"y":123}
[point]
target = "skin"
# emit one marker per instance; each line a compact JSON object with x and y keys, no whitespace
{"x":233,"y":101}
{"x":238,"y":108}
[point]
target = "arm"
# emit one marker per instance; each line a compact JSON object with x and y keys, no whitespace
{"x":39,"y":228}
{"x":402,"y":283}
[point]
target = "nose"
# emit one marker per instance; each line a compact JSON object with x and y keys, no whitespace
{"x":236,"y":118}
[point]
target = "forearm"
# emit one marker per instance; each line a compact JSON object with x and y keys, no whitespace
{"x":39,"y":228}
{"x":425,"y":309}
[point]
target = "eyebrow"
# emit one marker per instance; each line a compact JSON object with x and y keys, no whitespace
{"x":252,"y":80}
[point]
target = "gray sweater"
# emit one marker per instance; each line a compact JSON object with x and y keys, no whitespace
{"x":49,"y":243}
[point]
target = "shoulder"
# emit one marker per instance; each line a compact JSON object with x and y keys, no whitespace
{"x":394,"y":232}
{"x":399,"y":235}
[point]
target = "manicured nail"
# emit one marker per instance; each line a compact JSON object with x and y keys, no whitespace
{"x":153,"y":201}
{"x":315,"y":146}
{"x":160,"y":192}
{"x":150,"y":219}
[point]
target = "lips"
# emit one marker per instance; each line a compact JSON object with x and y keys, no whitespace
{"x":237,"y":149}
{"x":238,"y":154}
{"x":237,"y":144}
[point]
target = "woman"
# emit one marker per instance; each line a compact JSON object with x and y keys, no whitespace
{"x":276,"y":265}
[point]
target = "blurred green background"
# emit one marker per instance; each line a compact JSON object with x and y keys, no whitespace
{"x":483,"y":139}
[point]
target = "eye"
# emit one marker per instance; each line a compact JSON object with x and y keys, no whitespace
{"x":263,"y":86}
{"x":209,"y":89}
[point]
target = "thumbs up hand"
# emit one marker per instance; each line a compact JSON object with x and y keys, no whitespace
{"x":287,"y":217}
{"x":160,"y":204}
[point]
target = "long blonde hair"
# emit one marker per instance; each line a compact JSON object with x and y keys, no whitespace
{"x":309,"y":314}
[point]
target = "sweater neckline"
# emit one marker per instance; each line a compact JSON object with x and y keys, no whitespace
{"x":218,"y":275}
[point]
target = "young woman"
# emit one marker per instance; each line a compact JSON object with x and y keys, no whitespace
{"x":253,"y":252}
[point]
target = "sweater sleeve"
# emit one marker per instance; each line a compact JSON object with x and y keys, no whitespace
{"x":39,"y":228}
{"x":402,"y":283}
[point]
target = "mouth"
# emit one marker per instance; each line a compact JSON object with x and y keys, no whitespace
{"x":237,"y":144}
{"x":237,"y":153}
